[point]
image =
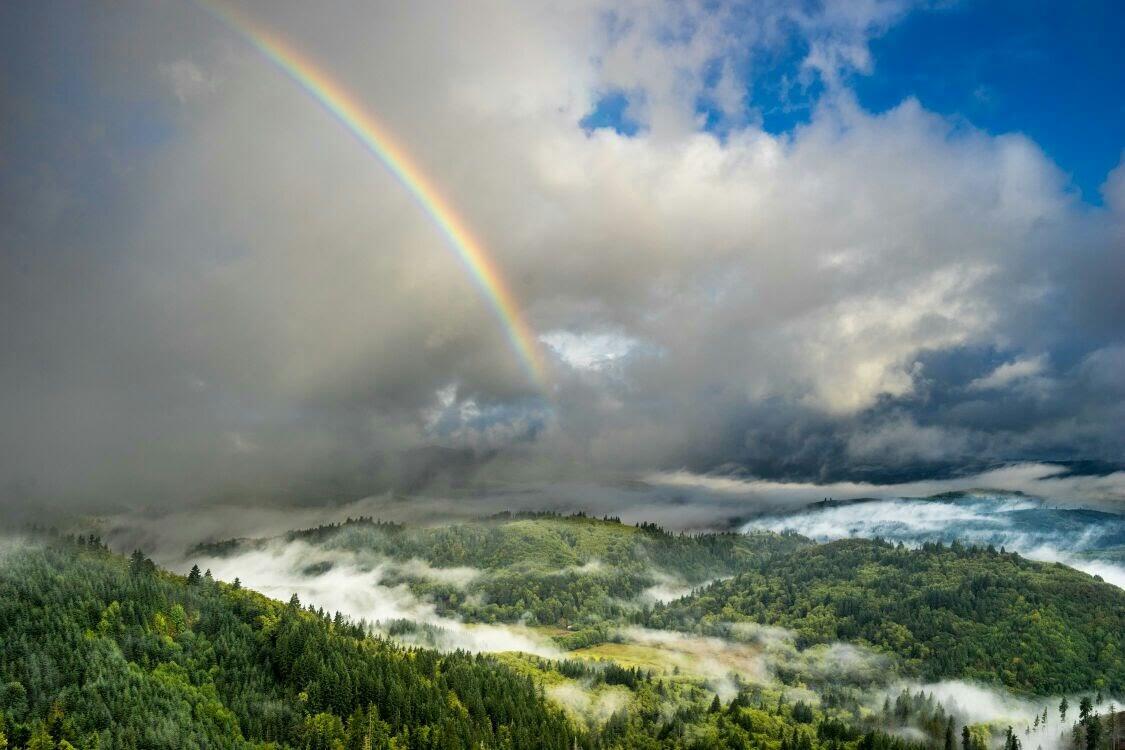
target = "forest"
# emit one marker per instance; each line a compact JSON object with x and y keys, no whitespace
{"x":540,"y":568}
{"x":939,"y":610}
{"x":99,"y":650}
{"x":945,"y":611}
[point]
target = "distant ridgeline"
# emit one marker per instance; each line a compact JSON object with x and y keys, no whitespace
{"x":102,"y":651}
{"x":941,"y":611}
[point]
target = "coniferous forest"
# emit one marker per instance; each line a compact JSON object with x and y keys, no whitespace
{"x":101,"y":651}
{"x":98,"y":650}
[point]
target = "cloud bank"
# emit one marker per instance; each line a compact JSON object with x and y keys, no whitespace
{"x":1040,"y":529}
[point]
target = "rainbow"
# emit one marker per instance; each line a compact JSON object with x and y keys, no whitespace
{"x":350,"y":113}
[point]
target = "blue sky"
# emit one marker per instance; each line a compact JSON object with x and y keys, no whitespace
{"x":1051,"y":71}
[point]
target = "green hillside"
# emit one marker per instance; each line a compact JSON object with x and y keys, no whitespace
{"x":939,"y":611}
{"x":945,"y":611}
{"x":99,"y":651}
{"x":544,"y":569}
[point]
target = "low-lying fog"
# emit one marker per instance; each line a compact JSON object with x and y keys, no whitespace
{"x":1090,"y":541}
{"x":355,"y":588}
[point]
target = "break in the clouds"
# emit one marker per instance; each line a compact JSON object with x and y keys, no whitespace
{"x":732,"y":256}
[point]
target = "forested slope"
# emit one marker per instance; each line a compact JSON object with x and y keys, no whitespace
{"x":541,"y":568}
{"x":946,"y":611}
{"x":942,"y":611}
{"x":98,"y":651}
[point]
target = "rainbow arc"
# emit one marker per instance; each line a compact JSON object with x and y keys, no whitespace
{"x":376,"y":139}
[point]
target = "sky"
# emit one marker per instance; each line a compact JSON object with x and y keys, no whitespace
{"x":867,"y":241}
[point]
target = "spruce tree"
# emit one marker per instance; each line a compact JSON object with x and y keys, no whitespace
{"x":1093,"y":731}
{"x":1085,"y":706}
{"x":137,"y":562}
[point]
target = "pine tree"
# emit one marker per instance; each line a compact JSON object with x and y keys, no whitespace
{"x":1012,"y":742}
{"x":1093,"y":731}
{"x":1063,"y":706}
{"x":40,"y":738}
{"x":966,"y":738}
{"x":194,"y":576}
{"x":138,"y":563}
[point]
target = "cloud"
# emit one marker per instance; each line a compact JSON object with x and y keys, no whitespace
{"x":592,"y":707}
{"x":212,"y":292}
{"x":980,"y":704}
{"x":824,"y":662}
{"x":1010,"y":372}
{"x":1040,"y":480}
{"x":1026,"y":524}
{"x":668,"y":588}
{"x":760,"y":654}
{"x":714,"y":659}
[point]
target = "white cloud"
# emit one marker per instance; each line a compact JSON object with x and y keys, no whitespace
{"x":354,"y":586}
{"x":591,"y":707}
{"x":1011,"y":372}
{"x":1036,"y":479}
